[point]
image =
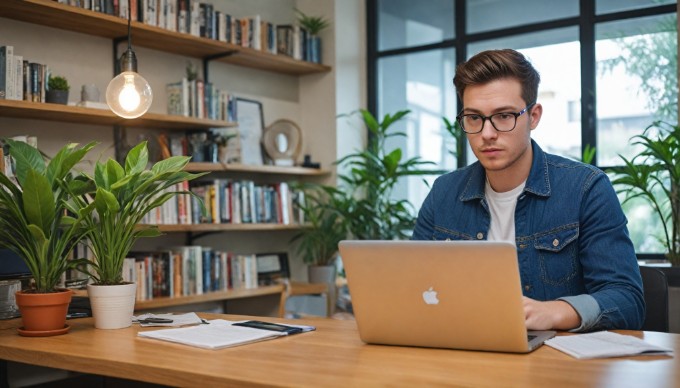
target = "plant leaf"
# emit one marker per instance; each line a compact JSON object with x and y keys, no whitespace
{"x":38,"y":200}
{"x":137,"y":159}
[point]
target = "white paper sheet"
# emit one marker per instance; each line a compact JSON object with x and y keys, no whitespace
{"x":604,"y":344}
{"x":218,"y":334}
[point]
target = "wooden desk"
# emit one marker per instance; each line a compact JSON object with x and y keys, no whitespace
{"x":331,"y":356}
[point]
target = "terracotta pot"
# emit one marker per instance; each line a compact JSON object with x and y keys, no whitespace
{"x":112,"y":306}
{"x":44,"y":313}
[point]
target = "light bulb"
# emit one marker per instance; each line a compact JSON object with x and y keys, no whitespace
{"x":129,"y":95}
{"x":129,"y":98}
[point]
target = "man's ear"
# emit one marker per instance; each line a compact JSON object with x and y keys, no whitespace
{"x":535,"y":115}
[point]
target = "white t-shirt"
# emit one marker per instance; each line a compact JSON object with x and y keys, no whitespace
{"x":502,"y":208}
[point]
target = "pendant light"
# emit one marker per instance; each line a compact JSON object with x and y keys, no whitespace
{"x":128,"y":94}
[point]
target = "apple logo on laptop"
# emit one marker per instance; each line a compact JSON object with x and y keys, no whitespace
{"x":430,"y":296}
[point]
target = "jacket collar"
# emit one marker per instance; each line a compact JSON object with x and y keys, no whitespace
{"x":538,"y":182}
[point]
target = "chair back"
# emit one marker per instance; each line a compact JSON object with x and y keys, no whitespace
{"x":655,"y":286}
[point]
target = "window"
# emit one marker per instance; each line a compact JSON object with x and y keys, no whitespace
{"x":608,"y":69}
{"x":420,"y":82}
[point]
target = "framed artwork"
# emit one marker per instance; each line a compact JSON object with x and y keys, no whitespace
{"x":251,"y":125}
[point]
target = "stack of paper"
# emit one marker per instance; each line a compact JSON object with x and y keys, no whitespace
{"x":219,"y":333}
{"x":605,"y":344}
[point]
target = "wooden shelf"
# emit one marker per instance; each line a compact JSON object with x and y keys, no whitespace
{"x":203,"y":228}
{"x":207,"y":297}
{"x":251,"y":169}
{"x":52,"y":14}
{"x":81,"y":115}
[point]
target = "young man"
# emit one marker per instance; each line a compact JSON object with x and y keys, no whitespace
{"x":577,"y":264}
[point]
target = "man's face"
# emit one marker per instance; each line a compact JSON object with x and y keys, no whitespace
{"x":501,"y":152}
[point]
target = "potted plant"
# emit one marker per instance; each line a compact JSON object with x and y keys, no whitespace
{"x":654,"y":176}
{"x":361,"y":207}
{"x":35,"y":226}
{"x":313,"y":25}
{"x":325,"y":228}
{"x":113,"y":203}
{"x":57,"y":90}
{"x":364,"y":196}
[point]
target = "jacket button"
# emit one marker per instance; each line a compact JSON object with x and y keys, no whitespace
{"x":480,"y":236}
{"x":527,"y":287}
{"x":556,"y":242}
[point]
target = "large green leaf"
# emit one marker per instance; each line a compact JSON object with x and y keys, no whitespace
{"x":26,"y":158}
{"x":38,"y":199}
{"x":171,"y":164}
{"x":105,"y":202}
{"x":67,"y":157}
{"x":114,"y":172}
{"x":137,"y":159}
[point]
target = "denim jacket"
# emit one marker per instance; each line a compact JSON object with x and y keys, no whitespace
{"x":570,"y":231}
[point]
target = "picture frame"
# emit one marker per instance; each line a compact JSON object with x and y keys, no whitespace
{"x":250,"y":120}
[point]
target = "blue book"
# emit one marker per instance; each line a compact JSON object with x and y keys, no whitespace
{"x":207,"y":266}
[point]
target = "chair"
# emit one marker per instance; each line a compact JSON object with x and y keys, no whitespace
{"x":655,"y":286}
{"x":297,"y":289}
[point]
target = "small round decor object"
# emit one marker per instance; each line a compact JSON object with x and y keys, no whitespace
{"x":282,"y":140}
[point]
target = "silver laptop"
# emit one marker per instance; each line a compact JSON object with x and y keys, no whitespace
{"x":441,"y":294}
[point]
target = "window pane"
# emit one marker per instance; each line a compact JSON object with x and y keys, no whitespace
{"x":636,"y":82}
{"x":607,"y":6}
{"x":644,"y":226}
{"x":560,"y":88}
{"x":488,"y":15}
{"x":407,"y":23}
{"x":421,"y":83}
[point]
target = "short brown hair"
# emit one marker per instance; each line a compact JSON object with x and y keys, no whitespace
{"x":491,"y":65}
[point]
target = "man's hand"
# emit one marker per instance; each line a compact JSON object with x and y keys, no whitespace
{"x":551,"y":315}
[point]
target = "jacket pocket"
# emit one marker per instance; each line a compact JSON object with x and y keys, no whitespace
{"x":558,"y":255}
{"x":442,"y":234}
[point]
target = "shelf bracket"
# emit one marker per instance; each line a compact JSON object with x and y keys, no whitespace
{"x":206,"y":61}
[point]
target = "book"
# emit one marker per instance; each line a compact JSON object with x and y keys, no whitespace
{"x":605,"y":344}
{"x":6,"y":74}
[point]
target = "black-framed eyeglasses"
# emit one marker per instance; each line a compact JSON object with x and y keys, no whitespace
{"x":502,"y":121}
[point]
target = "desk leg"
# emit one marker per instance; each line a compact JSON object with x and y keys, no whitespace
{"x":4,"y":374}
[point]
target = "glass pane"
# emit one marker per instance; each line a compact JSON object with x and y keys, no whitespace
{"x":489,"y":15}
{"x":607,"y":6}
{"x":407,"y":23}
{"x":644,"y":225}
{"x":421,"y":83}
{"x":636,"y":82}
{"x":559,"y":131}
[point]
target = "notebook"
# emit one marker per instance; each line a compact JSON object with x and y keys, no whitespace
{"x":441,"y":294}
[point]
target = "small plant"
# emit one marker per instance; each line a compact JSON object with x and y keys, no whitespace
{"x":58,"y":83}
{"x":318,"y":240}
{"x":33,"y":221}
{"x":114,"y":201}
{"x":313,"y":24}
{"x":192,"y":71}
{"x":654,"y":176}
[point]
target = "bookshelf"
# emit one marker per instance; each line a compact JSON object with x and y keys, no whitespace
{"x":48,"y":13}
{"x":62,"y":16}
{"x":214,"y":296}
{"x":81,"y":115}
{"x":208,"y":228}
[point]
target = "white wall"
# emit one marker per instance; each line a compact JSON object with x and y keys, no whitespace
{"x":313,"y":101}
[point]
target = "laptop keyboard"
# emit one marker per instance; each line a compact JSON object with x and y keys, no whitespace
{"x":530,"y":337}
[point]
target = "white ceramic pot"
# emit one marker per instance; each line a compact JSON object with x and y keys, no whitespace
{"x":112,"y":306}
{"x":324,"y":274}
